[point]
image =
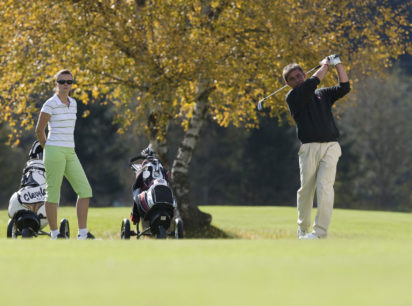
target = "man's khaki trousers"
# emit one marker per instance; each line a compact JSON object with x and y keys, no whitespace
{"x":317,"y":163}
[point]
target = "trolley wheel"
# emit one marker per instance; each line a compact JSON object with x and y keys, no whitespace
{"x":161,"y":232}
{"x":178,"y":228}
{"x":27,"y":233}
{"x":125,"y":229}
{"x":64,"y":228}
{"x":11,"y":229}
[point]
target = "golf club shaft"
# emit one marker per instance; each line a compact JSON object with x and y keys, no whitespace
{"x":317,"y":67}
{"x":275,"y":92}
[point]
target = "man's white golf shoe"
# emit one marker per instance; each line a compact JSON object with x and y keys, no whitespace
{"x":310,"y":236}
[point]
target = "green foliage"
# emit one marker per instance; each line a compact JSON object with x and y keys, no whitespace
{"x":222,"y":150}
{"x":377,"y":128}
{"x":12,"y":162}
{"x":246,"y":167}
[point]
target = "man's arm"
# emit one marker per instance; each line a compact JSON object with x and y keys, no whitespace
{"x":336,"y":92}
{"x":342,"y":76}
{"x":320,"y":74}
{"x":335,"y":61}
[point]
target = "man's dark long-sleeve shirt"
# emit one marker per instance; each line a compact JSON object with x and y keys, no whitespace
{"x":311,"y":109}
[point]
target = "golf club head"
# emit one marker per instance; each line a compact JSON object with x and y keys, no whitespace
{"x":260,"y":105}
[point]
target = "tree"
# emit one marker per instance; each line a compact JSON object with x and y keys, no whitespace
{"x":10,"y":160}
{"x":246,"y":167}
{"x":184,"y":60}
{"x":376,"y":123}
{"x":272,"y":168}
{"x":103,"y":154}
{"x":222,"y":150}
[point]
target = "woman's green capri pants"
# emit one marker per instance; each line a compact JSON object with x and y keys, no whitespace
{"x":63,"y":161}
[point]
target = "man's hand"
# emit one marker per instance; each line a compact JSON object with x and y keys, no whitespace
{"x":325,"y":61}
{"x":334,"y":59}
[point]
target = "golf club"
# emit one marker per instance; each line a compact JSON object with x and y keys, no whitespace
{"x":260,"y":103}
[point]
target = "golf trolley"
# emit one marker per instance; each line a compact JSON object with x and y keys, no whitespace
{"x":27,"y":224}
{"x":154,"y":205}
{"x":26,"y":206}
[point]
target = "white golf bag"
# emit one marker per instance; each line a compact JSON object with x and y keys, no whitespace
{"x":26,"y":206}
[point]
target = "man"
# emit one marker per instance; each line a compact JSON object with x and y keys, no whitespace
{"x":319,"y":153}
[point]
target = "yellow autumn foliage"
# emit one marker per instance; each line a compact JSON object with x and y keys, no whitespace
{"x":157,"y":50}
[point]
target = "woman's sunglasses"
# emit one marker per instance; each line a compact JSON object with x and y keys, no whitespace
{"x":61,"y":82}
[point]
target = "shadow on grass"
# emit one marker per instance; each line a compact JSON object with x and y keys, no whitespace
{"x":207,"y":232}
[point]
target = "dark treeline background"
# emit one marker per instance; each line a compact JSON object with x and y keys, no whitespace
{"x":233,"y":166}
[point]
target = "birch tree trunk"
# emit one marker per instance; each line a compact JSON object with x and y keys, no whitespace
{"x":190,"y":213}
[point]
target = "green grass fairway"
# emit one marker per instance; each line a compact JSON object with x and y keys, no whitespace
{"x":367,"y":260}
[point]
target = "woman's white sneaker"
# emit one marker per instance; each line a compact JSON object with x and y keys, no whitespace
{"x":88,"y":236}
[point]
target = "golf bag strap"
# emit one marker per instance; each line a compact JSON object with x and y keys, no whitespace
{"x":33,"y":168}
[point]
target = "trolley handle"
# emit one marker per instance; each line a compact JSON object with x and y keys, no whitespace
{"x":133,"y":159}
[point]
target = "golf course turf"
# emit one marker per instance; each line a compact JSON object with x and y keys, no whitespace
{"x":251,"y":257}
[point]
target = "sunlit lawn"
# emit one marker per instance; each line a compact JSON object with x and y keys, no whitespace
{"x":365,"y":261}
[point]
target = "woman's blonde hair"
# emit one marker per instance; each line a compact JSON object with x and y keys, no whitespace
{"x":63,"y":71}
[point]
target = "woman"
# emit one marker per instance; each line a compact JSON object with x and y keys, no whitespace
{"x":60,"y":159}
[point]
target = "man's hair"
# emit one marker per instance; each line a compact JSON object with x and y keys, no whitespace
{"x":63,"y":71}
{"x":288,"y":69}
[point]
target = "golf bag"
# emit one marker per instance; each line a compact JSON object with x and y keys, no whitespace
{"x":153,"y":201}
{"x":26,"y":206}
